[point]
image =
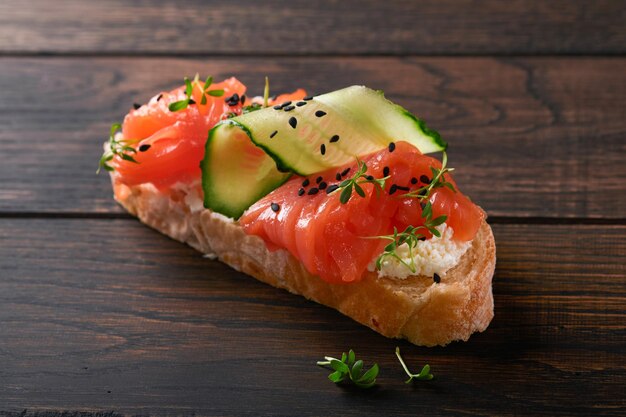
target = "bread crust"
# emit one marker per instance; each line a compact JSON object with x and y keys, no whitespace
{"x":417,"y":309}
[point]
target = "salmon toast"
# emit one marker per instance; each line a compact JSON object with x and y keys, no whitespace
{"x":334,"y":197}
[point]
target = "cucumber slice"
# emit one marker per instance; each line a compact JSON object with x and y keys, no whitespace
{"x":304,"y":137}
{"x":363,"y":119}
{"x":235,"y":172}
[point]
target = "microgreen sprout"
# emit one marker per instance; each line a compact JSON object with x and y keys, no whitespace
{"x":189,"y":86}
{"x":350,"y":369}
{"x":121,"y":148}
{"x":424,"y":374}
{"x":438,"y":180}
{"x":354,"y":183}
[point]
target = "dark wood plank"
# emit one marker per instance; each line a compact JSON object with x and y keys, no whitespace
{"x":321,"y":27}
{"x":529,"y":136}
{"x":107,"y":315}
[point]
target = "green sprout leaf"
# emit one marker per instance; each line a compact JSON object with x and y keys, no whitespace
{"x":114,"y":128}
{"x":346,"y":194}
{"x":438,"y":221}
{"x":178,"y":105}
{"x":188,"y":87}
{"x":351,"y":357}
{"x":357,"y":369}
{"x":207,"y":83}
{"x":337,"y":377}
{"x":359,"y":190}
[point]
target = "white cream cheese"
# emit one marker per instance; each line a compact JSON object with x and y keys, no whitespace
{"x":433,"y":256}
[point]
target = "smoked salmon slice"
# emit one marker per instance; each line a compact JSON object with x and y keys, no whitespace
{"x":335,"y":240}
{"x":171,"y":144}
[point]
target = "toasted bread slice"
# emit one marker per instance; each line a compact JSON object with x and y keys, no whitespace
{"x":418,"y":309}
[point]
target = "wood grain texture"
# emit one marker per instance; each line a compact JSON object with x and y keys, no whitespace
{"x":320,"y":27}
{"x":529,"y":136}
{"x":105,"y":317}
{"x":108,"y":315}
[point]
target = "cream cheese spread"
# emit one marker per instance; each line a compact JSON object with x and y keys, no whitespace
{"x":433,"y":256}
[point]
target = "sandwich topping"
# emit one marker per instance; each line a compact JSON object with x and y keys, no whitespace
{"x":339,"y":180}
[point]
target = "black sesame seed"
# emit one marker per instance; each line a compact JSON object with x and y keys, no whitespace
{"x":323,"y":149}
{"x":191,"y":101}
{"x":278,"y":107}
{"x":422,"y":192}
{"x":136,"y":106}
{"x":345,"y":172}
{"x":288,"y":108}
{"x":242,"y":99}
{"x":300,"y":103}
{"x":159,"y":97}
{"x":273,"y":134}
{"x":322,"y":185}
{"x":307,"y":98}
{"x":320,"y":113}
{"x":393,"y":189}
{"x":331,"y":188}
{"x":233,"y":100}
{"x":400,"y":187}
{"x":318,"y":179}
{"x":413,"y":180}
{"x":370,"y":177}
{"x":385,"y":171}
{"x":144,"y":147}
{"x":436,"y":278}
{"x":286,"y":103}
{"x":305,"y":182}
{"x":301,"y":192}
{"x":425,"y":179}
{"x":338,"y":177}
{"x":313,"y":191}
{"x":293,"y":122}
{"x":423,"y":205}
{"x":334,"y":139}
{"x":423,"y":238}
{"x":275,"y":207}
{"x":392,"y":147}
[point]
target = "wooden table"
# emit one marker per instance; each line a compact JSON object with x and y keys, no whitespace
{"x":99,"y":314}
